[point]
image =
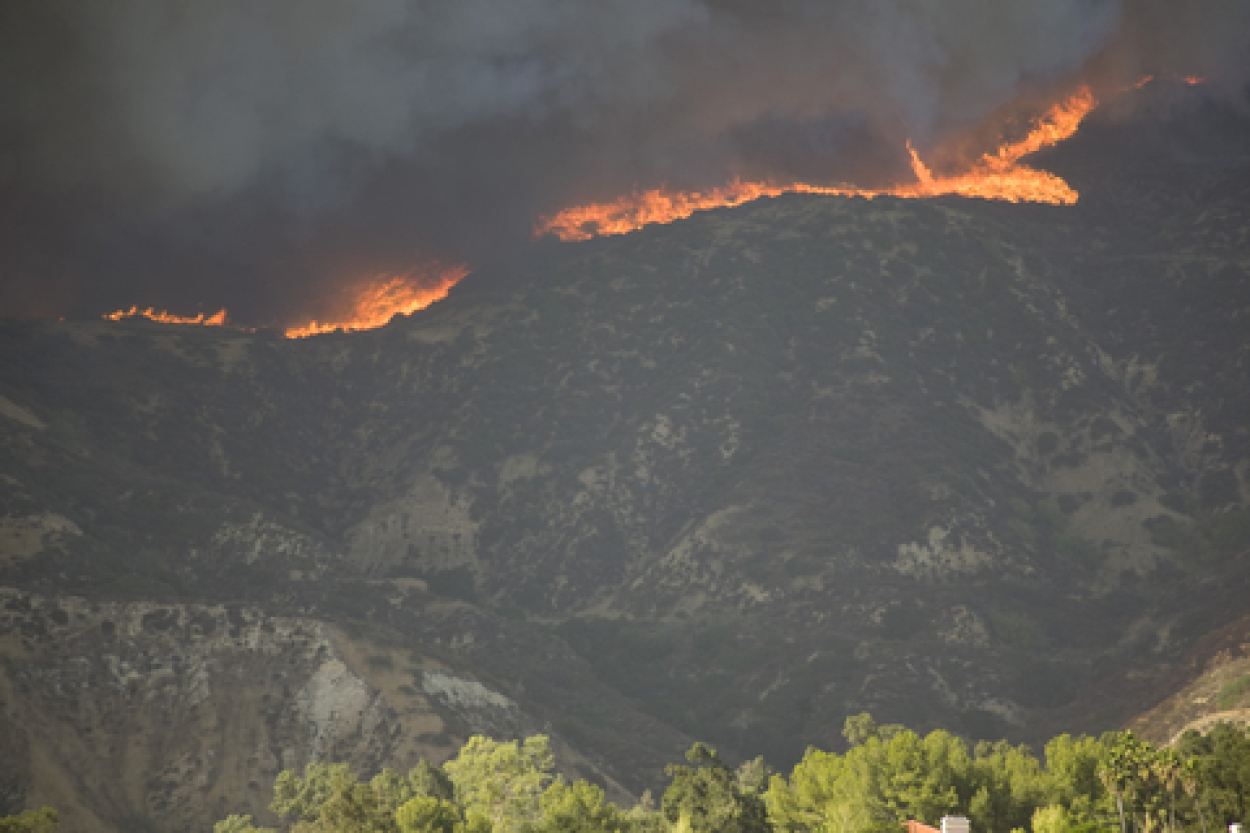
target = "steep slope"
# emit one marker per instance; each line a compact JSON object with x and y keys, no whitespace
{"x":958,"y":463}
{"x":168,"y":716}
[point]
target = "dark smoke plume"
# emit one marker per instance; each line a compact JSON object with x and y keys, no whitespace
{"x":253,"y":154}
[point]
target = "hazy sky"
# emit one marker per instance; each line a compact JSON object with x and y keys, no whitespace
{"x":254,"y":154}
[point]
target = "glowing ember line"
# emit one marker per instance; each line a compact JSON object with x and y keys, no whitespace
{"x":217,"y":319}
{"x":996,"y":176}
{"x":384,"y":298}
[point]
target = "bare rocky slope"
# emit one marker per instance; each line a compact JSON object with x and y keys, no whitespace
{"x":960,"y":464}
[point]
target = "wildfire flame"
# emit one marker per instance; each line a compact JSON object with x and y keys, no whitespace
{"x":372,"y":305}
{"x":385,"y":297}
{"x":217,"y":319}
{"x":995,"y":176}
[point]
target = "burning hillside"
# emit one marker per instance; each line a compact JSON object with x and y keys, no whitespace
{"x":995,"y":176}
{"x":381,"y":299}
{"x":998,"y":176}
{"x":257,"y":159}
{"x":365,"y":307}
{"x":217,"y":319}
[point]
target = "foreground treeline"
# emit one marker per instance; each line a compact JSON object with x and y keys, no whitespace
{"x":889,"y":775}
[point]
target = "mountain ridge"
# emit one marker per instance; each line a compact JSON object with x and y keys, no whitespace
{"x":956,"y":463}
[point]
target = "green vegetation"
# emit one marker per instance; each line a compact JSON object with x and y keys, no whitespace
{"x":1232,"y":690}
{"x":1216,"y":773}
{"x":709,"y":797}
{"x":489,"y":786}
{"x":888,"y":776}
{"x":43,"y":820}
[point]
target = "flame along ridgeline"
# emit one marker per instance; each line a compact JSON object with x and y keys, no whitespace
{"x":371,"y":306}
{"x":995,"y":176}
{"x":217,"y":319}
{"x":383,"y":298}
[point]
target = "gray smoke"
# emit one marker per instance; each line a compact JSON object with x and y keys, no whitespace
{"x":227,"y":152}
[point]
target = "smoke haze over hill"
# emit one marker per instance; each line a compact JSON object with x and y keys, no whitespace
{"x":254,"y":155}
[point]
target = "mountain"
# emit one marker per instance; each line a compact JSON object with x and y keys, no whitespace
{"x":958,"y":463}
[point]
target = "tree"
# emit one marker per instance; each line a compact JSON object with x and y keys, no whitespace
{"x":578,"y":808}
{"x":502,"y":782}
{"x":427,"y":814}
{"x":427,"y":779}
{"x":1006,"y":785}
{"x":301,"y":799}
{"x":355,"y":807}
{"x":705,"y":797}
{"x":330,"y":799}
{"x":1167,"y":767}
{"x":1118,"y":770}
{"x":822,"y":793}
{"x":238,"y":824}
{"x":1051,"y":819}
{"x":1189,"y":782}
{"x":1073,"y":765}
{"x":904,"y":776}
{"x":1221,"y":762}
{"x":858,"y":729}
{"x":752,"y":777}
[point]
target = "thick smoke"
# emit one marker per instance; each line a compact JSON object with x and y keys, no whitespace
{"x":250,"y":154}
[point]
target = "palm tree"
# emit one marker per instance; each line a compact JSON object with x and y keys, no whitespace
{"x":1115,"y":773}
{"x":1167,"y":769}
{"x":1189,"y":780}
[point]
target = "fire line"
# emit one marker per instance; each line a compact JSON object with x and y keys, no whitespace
{"x":999,"y":175}
{"x":385,"y":297}
{"x":369,"y":307}
{"x":217,"y":319}
{"x":995,"y":176}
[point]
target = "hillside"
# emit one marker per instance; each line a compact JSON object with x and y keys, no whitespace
{"x":957,"y":463}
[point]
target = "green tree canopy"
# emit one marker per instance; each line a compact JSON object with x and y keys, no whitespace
{"x":706,"y":797}
{"x":502,"y":781}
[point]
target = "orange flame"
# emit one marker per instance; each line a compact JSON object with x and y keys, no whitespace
{"x":385,"y":297}
{"x":217,"y":319}
{"x":1137,"y":86}
{"x":996,"y":176}
{"x":1194,"y":80}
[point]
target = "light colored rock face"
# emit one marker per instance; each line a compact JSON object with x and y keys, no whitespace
{"x":425,"y":530}
{"x":483,"y":710}
{"x":179,"y":714}
{"x":333,"y":701}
